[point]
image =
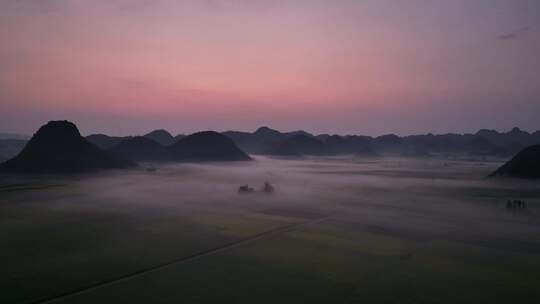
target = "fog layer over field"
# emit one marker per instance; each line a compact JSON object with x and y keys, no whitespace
{"x":424,"y":195}
{"x":414,"y":214}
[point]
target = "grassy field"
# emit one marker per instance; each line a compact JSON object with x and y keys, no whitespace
{"x":336,"y":231}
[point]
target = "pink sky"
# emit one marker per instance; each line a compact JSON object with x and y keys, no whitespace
{"x":364,"y":67}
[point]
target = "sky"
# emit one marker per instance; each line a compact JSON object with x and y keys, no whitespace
{"x":347,"y":67}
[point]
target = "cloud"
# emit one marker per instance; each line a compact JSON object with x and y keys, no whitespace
{"x":515,"y":33}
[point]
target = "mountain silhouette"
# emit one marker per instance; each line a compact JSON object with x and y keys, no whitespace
{"x":58,"y":147}
{"x":485,"y":142}
{"x":105,"y":142}
{"x":267,"y":132}
{"x":162,"y":137}
{"x":481,"y":146}
{"x":526,"y":164}
{"x":299,"y":145}
{"x":206,"y":146}
{"x":178,"y":137}
{"x":389,"y":144}
{"x":140,"y":148}
{"x":359,"y":145}
{"x":263,"y":141}
{"x":266,"y":140}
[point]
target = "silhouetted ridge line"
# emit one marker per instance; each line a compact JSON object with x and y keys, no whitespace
{"x":105,"y":142}
{"x":481,"y":144}
{"x":526,"y":164}
{"x":58,"y":147}
{"x":484,"y":143}
{"x":141,"y":148}
{"x":301,"y":145}
{"x":206,"y":146}
{"x":162,"y":137}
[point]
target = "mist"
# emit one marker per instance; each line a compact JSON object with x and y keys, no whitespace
{"x":163,"y":219}
{"x":426,"y":196}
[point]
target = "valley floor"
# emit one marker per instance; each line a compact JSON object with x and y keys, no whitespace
{"x":336,"y":230}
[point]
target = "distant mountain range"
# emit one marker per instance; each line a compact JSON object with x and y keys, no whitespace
{"x":11,"y":144}
{"x":58,"y":147}
{"x":140,"y":148}
{"x":298,"y":143}
{"x":10,"y":147}
{"x":206,"y":146}
{"x":482,"y":143}
{"x":160,"y":136}
{"x":262,"y":141}
{"x":14,"y":136}
{"x":201,"y":146}
{"x":163,"y":137}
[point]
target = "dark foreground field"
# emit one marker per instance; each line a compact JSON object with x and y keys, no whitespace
{"x":335,"y":231}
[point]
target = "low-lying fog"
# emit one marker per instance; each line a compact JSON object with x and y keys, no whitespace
{"x":427,"y":196}
{"x":99,"y":227}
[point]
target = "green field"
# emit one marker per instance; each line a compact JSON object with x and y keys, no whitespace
{"x":337,"y":230}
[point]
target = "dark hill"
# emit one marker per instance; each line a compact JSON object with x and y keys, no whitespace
{"x":358,"y":145}
{"x":105,"y":142}
{"x":140,"y":148}
{"x":388,"y":144}
{"x":526,"y":164}
{"x":301,"y":145}
{"x":513,"y":141}
{"x":253,"y":143}
{"x":58,"y":147}
{"x":263,"y":141}
{"x":206,"y":146}
{"x":480,"y":146}
{"x":267,"y":132}
{"x":162,"y":137}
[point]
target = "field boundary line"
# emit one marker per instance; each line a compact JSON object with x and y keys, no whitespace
{"x":184,"y":259}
